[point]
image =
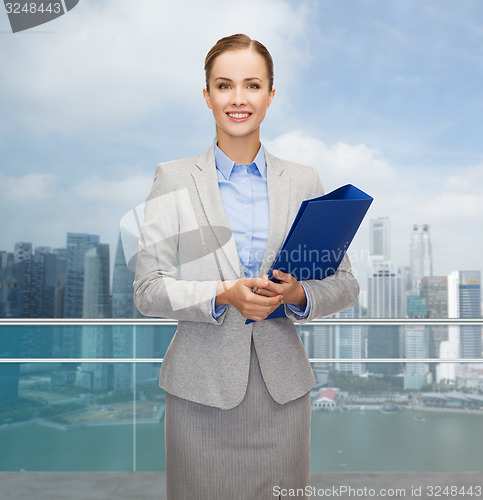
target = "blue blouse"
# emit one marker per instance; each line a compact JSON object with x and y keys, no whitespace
{"x":243,"y":190}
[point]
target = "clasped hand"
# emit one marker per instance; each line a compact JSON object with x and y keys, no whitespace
{"x":256,"y":298}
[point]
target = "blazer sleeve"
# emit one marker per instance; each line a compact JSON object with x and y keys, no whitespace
{"x":160,"y":287}
{"x":334,"y":293}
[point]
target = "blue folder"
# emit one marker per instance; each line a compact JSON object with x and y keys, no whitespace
{"x":320,"y":235}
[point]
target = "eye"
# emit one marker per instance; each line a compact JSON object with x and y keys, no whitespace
{"x":223,"y":86}
{"x":253,"y":86}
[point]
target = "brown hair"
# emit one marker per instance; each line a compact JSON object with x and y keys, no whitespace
{"x":237,"y":42}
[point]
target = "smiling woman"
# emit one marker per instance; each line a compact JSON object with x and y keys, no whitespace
{"x":239,"y":102}
{"x":237,"y":418}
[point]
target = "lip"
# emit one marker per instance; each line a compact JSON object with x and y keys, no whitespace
{"x":239,"y":120}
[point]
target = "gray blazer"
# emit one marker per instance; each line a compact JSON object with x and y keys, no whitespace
{"x":187,"y":247}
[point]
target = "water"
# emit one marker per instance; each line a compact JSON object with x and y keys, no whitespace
{"x":349,"y":441}
{"x":373,"y":441}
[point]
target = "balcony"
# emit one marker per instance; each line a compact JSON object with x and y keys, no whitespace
{"x":91,"y":426}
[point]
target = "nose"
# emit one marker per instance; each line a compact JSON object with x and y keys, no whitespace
{"x":238,"y":97}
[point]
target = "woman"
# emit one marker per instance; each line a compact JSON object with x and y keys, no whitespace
{"x":237,"y":419}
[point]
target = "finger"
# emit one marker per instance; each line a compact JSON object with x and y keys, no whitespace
{"x":255,"y":282}
{"x":268,"y":301}
{"x":260,"y":302}
{"x":281,"y":275}
{"x":276,"y":288}
{"x":260,"y":313}
{"x":266,"y":292}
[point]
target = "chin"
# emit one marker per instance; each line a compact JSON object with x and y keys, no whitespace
{"x":239,"y":132}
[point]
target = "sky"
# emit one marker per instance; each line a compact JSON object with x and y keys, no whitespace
{"x":383,"y":95}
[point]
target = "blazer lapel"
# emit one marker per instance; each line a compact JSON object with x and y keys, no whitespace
{"x":278,"y":185}
{"x":207,"y":185}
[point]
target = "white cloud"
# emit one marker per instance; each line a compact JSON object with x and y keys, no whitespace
{"x":117,"y":61}
{"x":96,"y":189}
{"x":453,"y":207}
{"x":27,"y":190}
{"x":42,"y":209}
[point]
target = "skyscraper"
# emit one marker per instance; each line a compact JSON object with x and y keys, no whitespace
{"x":322,"y":347}
{"x":122,"y":286}
{"x":469,"y":302}
{"x":59,"y":284}
{"x":348,"y":341}
{"x":420,"y":254}
{"x":13,"y":284}
{"x":380,"y":238}
{"x":22,"y":251}
{"x":384,"y":291}
{"x":4,"y":259}
{"x":77,"y":246}
{"x":384,"y":299}
{"x":128,"y":340}
{"x":464,"y":301}
{"x":435,"y":290}
{"x":96,"y":340}
{"x":68,"y":339}
{"x":96,"y":296}
{"x":416,"y":344}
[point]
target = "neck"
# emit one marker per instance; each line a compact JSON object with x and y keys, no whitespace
{"x":242,"y":150}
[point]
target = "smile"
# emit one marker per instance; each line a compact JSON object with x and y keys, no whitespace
{"x":238,"y":116}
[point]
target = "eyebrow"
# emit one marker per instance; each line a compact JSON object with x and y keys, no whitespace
{"x":245,"y":79}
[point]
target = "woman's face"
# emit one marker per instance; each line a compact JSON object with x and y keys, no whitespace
{"x":239,"y":96}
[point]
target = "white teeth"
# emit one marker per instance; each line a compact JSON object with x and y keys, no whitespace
{"x":238,"y":115}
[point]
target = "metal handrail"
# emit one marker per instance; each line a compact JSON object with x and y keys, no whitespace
{"x":169,"y":322}
{"x":312,"y":360}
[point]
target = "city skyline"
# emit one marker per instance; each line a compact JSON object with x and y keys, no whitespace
{"x":31,"y":284}
{"x":384,"y":98}
{"x":363,"y":262}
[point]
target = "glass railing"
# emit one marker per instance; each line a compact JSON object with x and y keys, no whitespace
{"x":82,"y":395}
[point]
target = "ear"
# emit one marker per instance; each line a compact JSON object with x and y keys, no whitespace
{"x":271,"y":95}
{"x":207,"y":97}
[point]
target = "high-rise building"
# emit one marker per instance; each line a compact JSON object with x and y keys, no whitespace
{"x":122,"y":287}
{"x":464,"y":301}
{"x":384,"y":291}
{"x":435,"y":290}
{"x":469,"y":300}
{"x":96,"y":340}
{"x":22,"y":251}
{"x":128,"y":340}
{"x":34,"y":285}
{"x":96,"y":300}
{"x":6,"y":259}
{"x":322,"y":347}
{"x":384,"y":299}
{"x":59,"y":285}
{"x":420,"y":255}
{"x":416,"y":375}
{"x":13,"y":285}
{"x":416,"y":344}
{"x":68,"y":339}
{"x":380,"y":238}
{"x":348,"y":341}
{"x":77,"y":246}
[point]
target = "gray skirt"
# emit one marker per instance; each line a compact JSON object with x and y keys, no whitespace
{"x":247,"y":453}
